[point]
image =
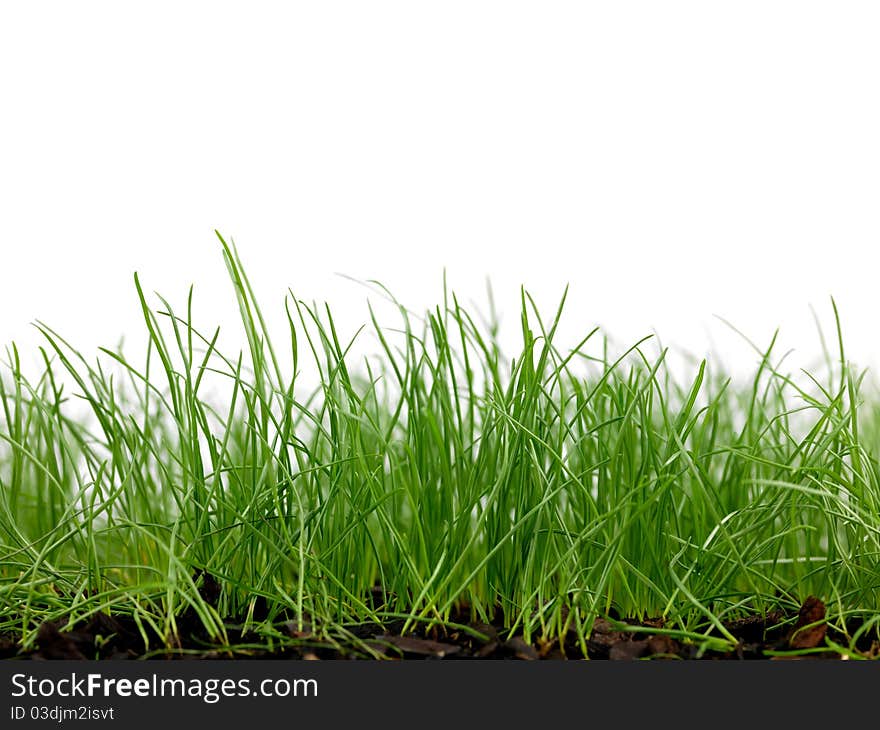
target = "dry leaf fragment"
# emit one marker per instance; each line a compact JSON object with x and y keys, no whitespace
{"x":809,"y":631}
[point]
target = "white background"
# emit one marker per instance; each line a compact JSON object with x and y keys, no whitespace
{"x":670,"y":160}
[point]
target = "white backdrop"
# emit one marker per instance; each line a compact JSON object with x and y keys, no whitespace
{"x":671,"y":161}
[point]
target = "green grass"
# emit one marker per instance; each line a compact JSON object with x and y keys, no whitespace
{"x":547,"y":489}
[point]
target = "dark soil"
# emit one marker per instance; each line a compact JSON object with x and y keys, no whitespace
{"x":117,"y":637}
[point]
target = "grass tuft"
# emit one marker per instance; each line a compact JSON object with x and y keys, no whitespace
{"x":436,"y":481}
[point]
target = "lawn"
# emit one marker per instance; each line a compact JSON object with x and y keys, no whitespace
{"x":439,"y":492}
